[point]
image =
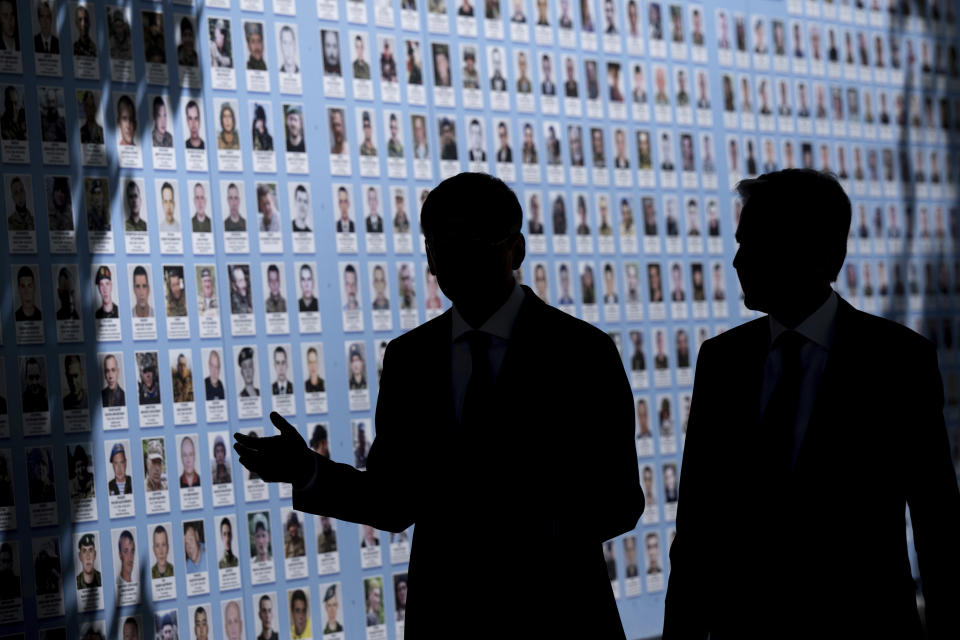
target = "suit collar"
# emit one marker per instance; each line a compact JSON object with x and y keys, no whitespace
{"x":499,"y":324}
{"x":818,"y":327}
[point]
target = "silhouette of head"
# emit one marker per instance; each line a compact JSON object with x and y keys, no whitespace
{"x":793,"y":240}
{"x":471,"y":223}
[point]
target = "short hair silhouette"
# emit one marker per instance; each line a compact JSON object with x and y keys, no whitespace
{"x":803,"y":207}
{"x":478,"y":203}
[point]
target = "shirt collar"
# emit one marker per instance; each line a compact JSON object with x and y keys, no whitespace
{"x":500,"y":324}
{"x":817,"y":327}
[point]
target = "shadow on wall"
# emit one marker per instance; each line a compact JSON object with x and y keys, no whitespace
{"x":87,"y":186}
{"x":927,"y":155}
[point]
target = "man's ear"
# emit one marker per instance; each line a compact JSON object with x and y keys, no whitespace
{"x":430,"y":263}
{"x":519,"y":251}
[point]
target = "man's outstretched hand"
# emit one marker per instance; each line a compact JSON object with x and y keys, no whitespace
{"x":282,"y":458}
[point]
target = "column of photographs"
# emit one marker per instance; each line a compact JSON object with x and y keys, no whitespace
{"x":676,"y":103}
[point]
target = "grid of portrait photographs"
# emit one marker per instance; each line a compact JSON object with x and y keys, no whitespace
{"x":225,"y":238}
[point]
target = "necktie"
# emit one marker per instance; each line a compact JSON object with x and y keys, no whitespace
{"x":779,"y":419}
{"x":480,"y":386}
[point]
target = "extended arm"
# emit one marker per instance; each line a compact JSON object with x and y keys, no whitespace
{"x":334,"y":489}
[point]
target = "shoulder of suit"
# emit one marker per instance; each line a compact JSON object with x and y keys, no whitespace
{"x":736,"y":337}
{"x":558,"y":327}
{"x":418,"y":337}
{"x":876,"y":334}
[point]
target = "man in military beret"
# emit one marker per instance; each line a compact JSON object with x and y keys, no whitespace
{"x":89,"y":576}
{"x":104,"y":282}
{"x":332,"y":605}
{"x":121,"y":483}
{"x":155,"y":479}
{"x":253,"y":32}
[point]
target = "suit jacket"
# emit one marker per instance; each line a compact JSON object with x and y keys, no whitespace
{"x":38,"y":43}
{"x":825,"y":553}
{"x":565,"y":492}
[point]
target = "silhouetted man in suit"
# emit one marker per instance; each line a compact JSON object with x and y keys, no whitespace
{"x":500,"y":360}
{"x":831,"y":421}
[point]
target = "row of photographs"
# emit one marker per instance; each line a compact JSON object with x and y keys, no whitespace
{"x":296,"y":611}
{"x":128,"y":572}
{"x":821,"y":110}
{"x":598,"y":220}
{"x":737,"y":37}
{"x":672,"y":352}
{"x":151,"y":486}
{"x":293,"y":372}
{"x":647,"y":569}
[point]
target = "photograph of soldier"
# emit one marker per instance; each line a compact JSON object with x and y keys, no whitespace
{"x":154,"y":48}
{"x":212,"y":384}
{"x":227,"y":557}
{"x":220,"y":470}
{"x":331,"y":606}
{"x":59,"y":203}
{"x":160,"y":542}
{"x":194,"y":546}
{"x":121,"y":483}
{"x":112,"y":394}
{"x":148,"y":387}
{"x":241,"y":300}
{"x":293,"y":542}
{"x":89,"y":576}
{"x":104,"y":283}
{"x":155,"y":465}
{"x":53,"y":123}
{"x":80,"y":473}
{"x":142,"y":298}
{"x":253,"y":33}
{"x":246,"y":360}
{"x":182,"y":377}
{"x":33,"y":383}
{"x":76,"y":388}
{"x":40,"y":487}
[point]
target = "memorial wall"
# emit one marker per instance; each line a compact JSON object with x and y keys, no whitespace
{"x":211,"y":213}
